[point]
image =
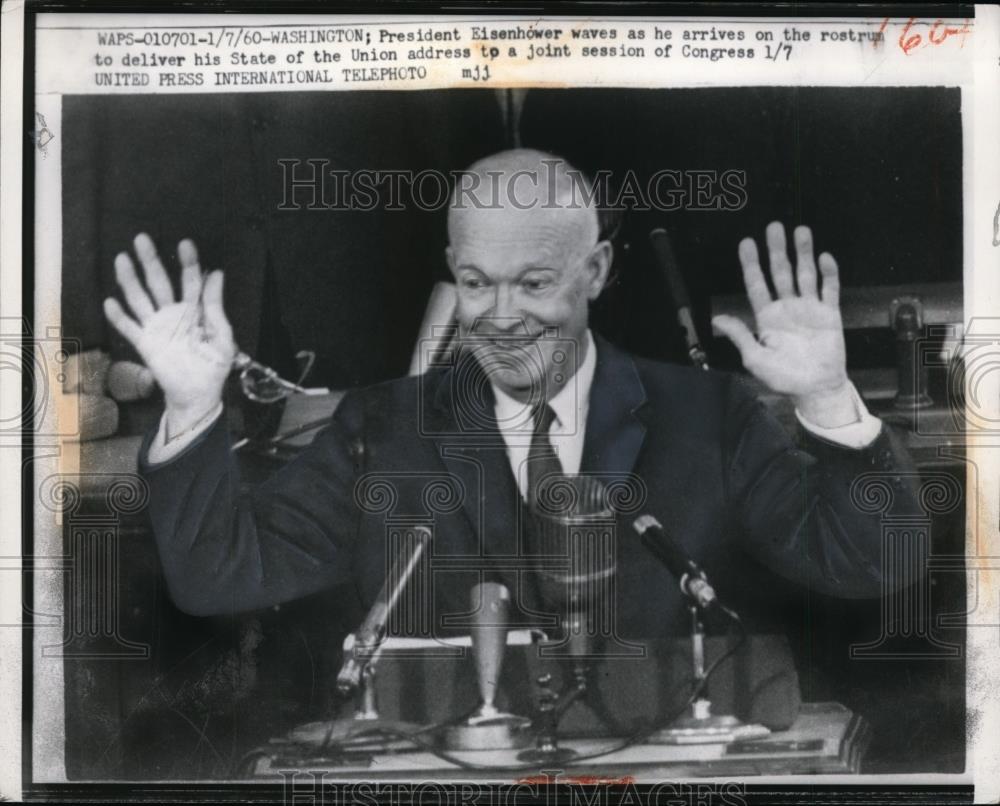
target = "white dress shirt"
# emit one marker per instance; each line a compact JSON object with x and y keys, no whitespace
{"x":566,"y":433}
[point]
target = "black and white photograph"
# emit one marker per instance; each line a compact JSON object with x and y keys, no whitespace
{"x":474,"y":428}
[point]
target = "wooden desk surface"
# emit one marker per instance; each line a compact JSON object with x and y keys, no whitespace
{"x":826,"y":738}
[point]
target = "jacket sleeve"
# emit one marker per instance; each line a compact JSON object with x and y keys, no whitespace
{"x":794,"y":502}
{"x":225,"y":549}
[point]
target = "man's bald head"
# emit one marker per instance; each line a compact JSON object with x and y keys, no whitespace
{"x":512,"y":188}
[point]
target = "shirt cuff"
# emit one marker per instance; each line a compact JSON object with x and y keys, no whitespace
{"x":859,"y":434}
{"x":161,"y":451}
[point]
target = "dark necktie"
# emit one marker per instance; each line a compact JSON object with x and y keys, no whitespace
{"x":542,"y":458}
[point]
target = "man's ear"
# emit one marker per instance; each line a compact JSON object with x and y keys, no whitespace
{"x":449,"y":256}
{"x":598,"y":266}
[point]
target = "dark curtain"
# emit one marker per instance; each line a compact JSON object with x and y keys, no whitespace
{"x":876,"y":172}
{"x":350,"y":285}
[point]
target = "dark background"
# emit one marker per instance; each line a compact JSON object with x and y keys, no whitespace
{"x":875,"y":172}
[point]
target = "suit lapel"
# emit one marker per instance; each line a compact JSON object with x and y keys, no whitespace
{"x":463,"y":427}
{"x":615,"y":433}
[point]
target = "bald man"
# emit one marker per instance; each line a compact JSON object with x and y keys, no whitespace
{"x":529,"y":382}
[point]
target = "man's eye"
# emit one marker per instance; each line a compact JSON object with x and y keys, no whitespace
{"x":473,"y":283}
{"x":535,"y":284}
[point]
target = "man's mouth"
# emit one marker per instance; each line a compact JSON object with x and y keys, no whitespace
{"x":507,"y":342}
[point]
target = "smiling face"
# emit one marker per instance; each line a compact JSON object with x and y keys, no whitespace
{"x":525,"y":277}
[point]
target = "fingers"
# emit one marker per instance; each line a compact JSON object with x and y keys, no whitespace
{"x":215,"y":315}
{"x":781,"y":268}
{"x":135,"y":295}
{"x":753,"y":278}
{"x":831,"y":280}
{"x":156,"y":276}
{"x":805,"y":265}
{"x":212,"y":295}
{"x":123,"y":323}
{"x":740,"y":335}
{"x":191,"y":279}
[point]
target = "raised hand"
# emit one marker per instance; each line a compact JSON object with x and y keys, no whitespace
{"x":799,"y":348}
{"x":187,"y":344}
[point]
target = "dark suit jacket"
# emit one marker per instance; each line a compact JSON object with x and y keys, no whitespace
{"x":707,"y":459}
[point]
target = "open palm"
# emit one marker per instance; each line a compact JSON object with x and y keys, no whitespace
{"x":187,"y":344}
{"x":799,"y":348}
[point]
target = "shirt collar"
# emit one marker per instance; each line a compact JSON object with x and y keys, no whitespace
{"x":570,"y":403}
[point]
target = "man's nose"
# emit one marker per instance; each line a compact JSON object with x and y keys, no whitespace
{"x":503,"y":304}
{"x":500,"y":314}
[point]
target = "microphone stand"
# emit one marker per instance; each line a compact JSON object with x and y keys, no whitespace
{"x":362,"y":649}
{"x":664,"y":253}
{"x":572,"y":518}
{"x":489,"y":728}
{"x":552,"y":706}
{"x":701,"y":726}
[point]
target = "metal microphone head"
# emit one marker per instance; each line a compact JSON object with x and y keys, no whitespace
{"x":690,"y":577}
{"x":664,"y":251}
{"x":572,"y":527}
{"x":644,"y":523}
{"x":657,"y":233}
{"x":361,"y":646}
{"x":569,"y":498}
{"x":491,"y":605}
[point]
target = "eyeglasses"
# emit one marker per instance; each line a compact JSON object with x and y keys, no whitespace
{"x":262,"y":384}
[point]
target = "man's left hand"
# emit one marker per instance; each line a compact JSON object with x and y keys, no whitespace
{"x":799,"y":348}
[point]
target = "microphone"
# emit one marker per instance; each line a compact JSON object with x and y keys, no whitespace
{"x":491,"y":601}
{"x":667,"y":262}
{"x":567,"y":521}
{"x":571,"y":522}
{"x":693,"y":581}
{"x":361,"y":646}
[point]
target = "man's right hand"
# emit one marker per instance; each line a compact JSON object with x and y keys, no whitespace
{"x":187,"y":345}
